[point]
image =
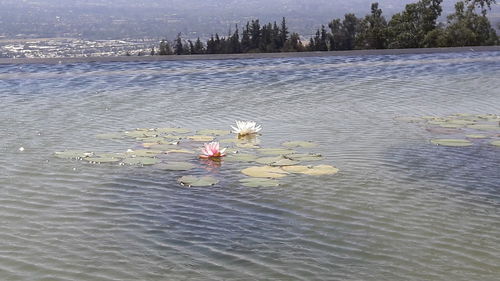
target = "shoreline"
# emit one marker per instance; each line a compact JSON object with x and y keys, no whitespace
{"x":4,"y":61}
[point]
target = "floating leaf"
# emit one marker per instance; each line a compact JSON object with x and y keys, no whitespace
{"x":275,"y":151}
{"x":240,"y":157}
{"x":144,"y":161}
{"x":145,"y":152}
{"x":461,"y":122}
{"x":305,"y":157}
{"x":73,"y":154}
{"x":214,"y":132}
{"x":259,"y":182}
{"x":451,"y":142}
{"x":495,"y":143}
{"x":102,"y":159}
{"x":269,"y":160}
{"x":247,"y":145}
{"x":175,"y":166}
{"x":475,"y":136}
{"x":451,"y":126}
{"x":264,"y":172}
{"x":284,"y":162}
{"x":201,"y":138}
{"x":135,"y":134}
{"x":446,"y":131}
{"x":197,"y":181}
{"x":319,"y":170}
{"x":304,"y":144}
{"x":151,"y":140}
{"x":484,"y":127}
{"x":172,"y":130}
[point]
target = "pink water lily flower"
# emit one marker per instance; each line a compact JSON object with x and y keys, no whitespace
{"x":212,"y":150}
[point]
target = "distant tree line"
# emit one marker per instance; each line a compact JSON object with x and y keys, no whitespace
{"x":415,"y":27}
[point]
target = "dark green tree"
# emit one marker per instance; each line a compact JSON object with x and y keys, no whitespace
{"x":373,"y":30}
{"x":179,"y":47}
{"x":165,"y":48}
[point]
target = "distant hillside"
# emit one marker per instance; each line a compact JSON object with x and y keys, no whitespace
{"x":114,"y":19}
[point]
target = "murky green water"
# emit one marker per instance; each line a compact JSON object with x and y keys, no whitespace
{"x":399,"y":209}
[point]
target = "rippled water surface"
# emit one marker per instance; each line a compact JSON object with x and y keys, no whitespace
{"x":400,"y":208}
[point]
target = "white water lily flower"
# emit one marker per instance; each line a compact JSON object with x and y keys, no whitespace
{"x":244,"y":128}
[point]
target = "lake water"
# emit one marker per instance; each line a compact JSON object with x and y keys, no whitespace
{"x":400,"y":208}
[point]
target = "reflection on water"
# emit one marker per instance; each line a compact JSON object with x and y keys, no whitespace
{"x":400,"y":209}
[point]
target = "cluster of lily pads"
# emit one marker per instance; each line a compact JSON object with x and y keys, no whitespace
{"x":180,"y":149}
{"x":461,"y":130}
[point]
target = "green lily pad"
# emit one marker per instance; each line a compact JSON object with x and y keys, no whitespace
{"x":110,"y":155}
{"x":240,"y":157}
{"x":495,"y":143}
{"x":269,"y":160}
{"x":73,"y":154}
{"x":99,"y":160}
{"x":226,"y":141}
{"x":304,"y":144}
{"x":145,"y":152}
{"x":305,"y":157}
{"x":150,"y":140}
{"x":451,"y":142}
{"x":284,"y":162}
{"x":319,"y":170}
{"x":143,"y":161}
{"x":461,"y":122}
{"x":264,"y":172}
{"x":201,"y":138}
{"x":259,"y":182}
{"x":476,"y":136}
{"x":275,"y":151}
{"x":214,"y":132}
{"x":172,"y":130}
{"x":175,"y":166}
{"x":451,"y":126}
{"x":135,"y":134}
{"x":197,"y":181}
{"x":484,"y":127}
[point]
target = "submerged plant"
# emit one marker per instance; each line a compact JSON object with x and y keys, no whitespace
{"x":244,"y":128}
{"x":212,"y":150}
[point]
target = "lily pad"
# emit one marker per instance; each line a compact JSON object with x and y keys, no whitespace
{"x":151,"y":140}
{"x":495,"y":143}
{"x":135,"y":134}
{"x":73,"y":154}
{"x":175,"y":166}
{"x":305,"y":157}
{"x":143,"y":161}
{"x":319,"y":170}
{"x":269,"y":160}
{"x":284,"y":162}
{"x":461,"y":122}
{"x":172,"y":130}
{"x":247,"y":145}
{"x":304,"y":144}
{"x":145,"y":152}
{"x":451,"y":142}
{"x":259,"y":182}
{"x":99,"y":160}
{"x":275,"y":151}
{"x":201,"y":138}
{"x":476,"y":136}
{"x":240,"y":157}
{"x":264,"y":172}
{"x":197,"y":181}
{"x":214,"y":132}
{"x":484,"y":127}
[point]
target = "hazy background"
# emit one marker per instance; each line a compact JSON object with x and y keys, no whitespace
{"x":119,"y":19}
